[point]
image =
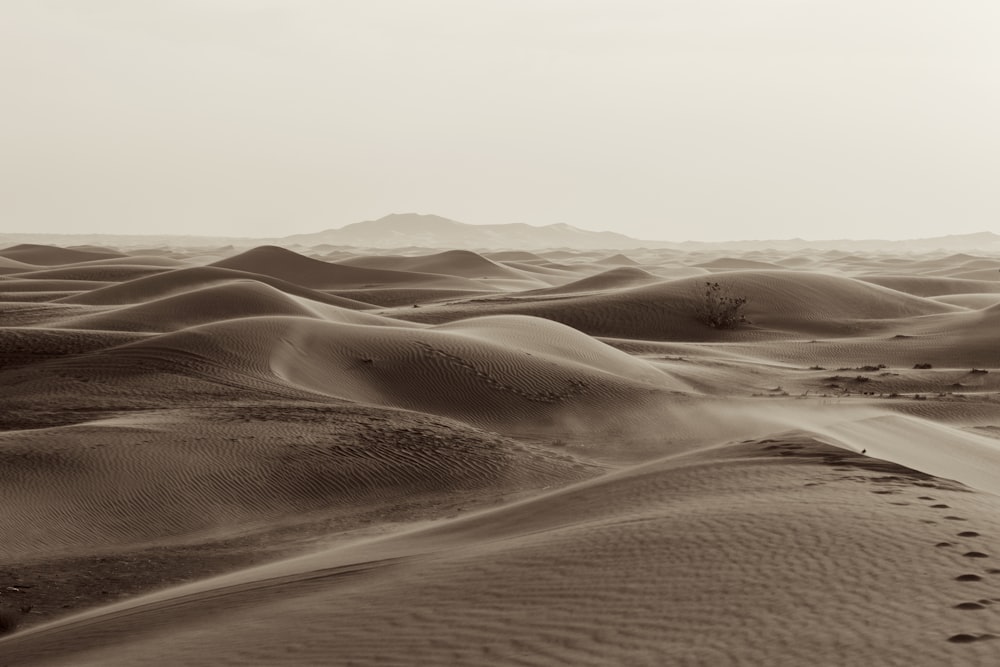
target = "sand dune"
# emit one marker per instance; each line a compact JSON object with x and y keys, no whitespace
{"x":736,"y":264}
{"x":35,"y":283}
{"x":184,"y":280}
{"x":513,"y":256}
{"x":22,"y":346}
{"x":543,"y":269}
{"x":925,"y":286}
{"x":558,"y":579}
{"x":504,"y":458}
{"x":785,"y":302}
{"x":9,"y":266}
{"x":43,"y":255}
{"x":461,"y":263}
{"x":216,"y":303}
{"x":172,"y":475}
{"x":971,"y":301}
{"x":618,"y":259}
{"x":496,"y":373}
{"x":611,"y":279}
{"x":141,"y":258}
{"x":990,"y":275}
{"x":287,"y":265}
{"x":98,"y":272}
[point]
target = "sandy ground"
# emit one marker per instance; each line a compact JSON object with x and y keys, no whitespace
{"x":348,"y":457}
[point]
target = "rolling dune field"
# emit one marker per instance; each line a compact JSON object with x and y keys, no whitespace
{"x":332,"y":455}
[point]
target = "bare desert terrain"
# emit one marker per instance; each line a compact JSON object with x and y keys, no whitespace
{"x":332,"y":455}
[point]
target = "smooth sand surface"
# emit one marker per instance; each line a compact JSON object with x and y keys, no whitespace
{"x":329,"y":456}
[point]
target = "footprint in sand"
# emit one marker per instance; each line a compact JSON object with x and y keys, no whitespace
{"x":956,"y":518}
{"x":968,"y":533}
{"x":944,"y":544}
{"x":925,"y":498}
{"x":940,"y":506}
{"x":975,"y":554}
{"x":968,"y":577}
{"x":969,"y":606}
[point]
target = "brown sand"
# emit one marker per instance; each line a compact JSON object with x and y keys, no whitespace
{"x":277,"y":459}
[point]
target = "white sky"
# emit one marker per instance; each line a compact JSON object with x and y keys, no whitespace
{"x":667,"y":119}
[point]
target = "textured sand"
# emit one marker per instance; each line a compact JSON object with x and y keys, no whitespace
{"x":218,"y":456}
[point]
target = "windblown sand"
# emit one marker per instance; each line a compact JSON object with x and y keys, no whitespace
{"x":330,"y":456}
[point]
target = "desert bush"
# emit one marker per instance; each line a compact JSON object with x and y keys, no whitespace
{"x":720,"y":309}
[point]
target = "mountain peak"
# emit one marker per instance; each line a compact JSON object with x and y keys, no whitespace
{"x":398,"y":230}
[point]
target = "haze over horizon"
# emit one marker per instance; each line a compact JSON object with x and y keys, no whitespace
{"x":663,"y":121}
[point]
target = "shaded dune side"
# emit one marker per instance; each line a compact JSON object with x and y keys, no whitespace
{"x":23,"y":346}
{"x":137,"y":259}
{"x":462,"y":263}
{"x":46,"y":255}
{"x":184,"y":280}
{"x":98,"y":272}
{"x":128,"y":482}
{"x":617,"y":260}
{"x":698,"y":560}
{"x":391,"y":297}
{"x":216,"y":303}
{"x":927,"y":286}
{"x":8,"y":266}
{"x":20,"y":284}
{"x":513,"y":256}
{"x":783,"y":302}
{"x":736,"y":264}
{"x":542,"y":270}
{"x":617,"y":278}
{"x":26,"y":314}
{"x":301,"y":270}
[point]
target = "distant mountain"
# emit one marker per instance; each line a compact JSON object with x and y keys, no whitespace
{"x":401,"y":230}
{"x":412,"y":230}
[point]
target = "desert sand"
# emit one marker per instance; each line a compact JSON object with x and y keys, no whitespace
{"x":343,"y":455}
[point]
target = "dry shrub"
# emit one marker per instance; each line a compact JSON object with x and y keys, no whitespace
{"x":719,"y":308}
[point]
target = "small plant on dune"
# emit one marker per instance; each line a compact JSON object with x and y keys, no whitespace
{"x":720,"y":309}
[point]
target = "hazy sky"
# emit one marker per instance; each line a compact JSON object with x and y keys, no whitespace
{"x":671,"y":119}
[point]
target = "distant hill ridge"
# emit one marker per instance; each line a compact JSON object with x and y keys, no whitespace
{"x":434,"y":232}
{"x":399,"y":230}
{"x":402,"y":230}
